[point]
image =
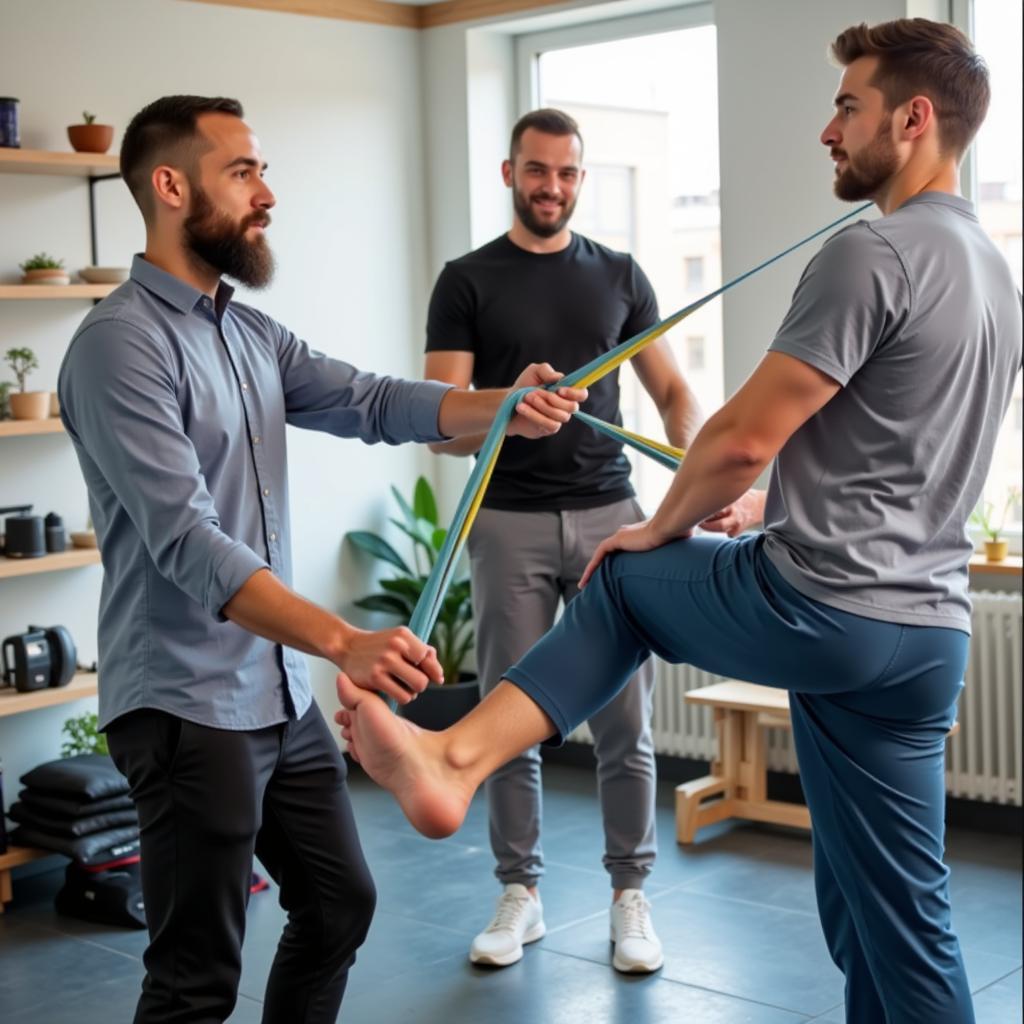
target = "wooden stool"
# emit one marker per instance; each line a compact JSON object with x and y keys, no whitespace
{"x":738,"y":779}
{"x":739,"y":776}
{"x":14,"y":856}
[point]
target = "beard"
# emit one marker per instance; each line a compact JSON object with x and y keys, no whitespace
{"x":212,"y":237}
{"x":870,"y":169}
{"x":542,"y":229}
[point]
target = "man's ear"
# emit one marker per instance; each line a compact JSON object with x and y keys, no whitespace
{"x":506,"y":172}
{"x":170,"y":187}
{"x":916,"y":115}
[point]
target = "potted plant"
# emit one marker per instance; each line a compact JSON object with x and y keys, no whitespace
{"x":26,"y":405}
{"x":43,"y":269}
{"x":90,"y":137}
{"x":438,"y":706}
{"x":984,"y":518}
{"x":83,"y":736}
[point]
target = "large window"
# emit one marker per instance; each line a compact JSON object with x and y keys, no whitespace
{"x":996,"y":179}
{"x":651,"y":153}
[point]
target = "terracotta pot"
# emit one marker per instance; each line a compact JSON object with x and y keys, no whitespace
{"x":29,"y":405}
{"x":996,"y":550}
{"x":91,"y":138}
{"x":54,"y":404}
{"x":47,"y":275}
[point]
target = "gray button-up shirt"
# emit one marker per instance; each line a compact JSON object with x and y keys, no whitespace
{"x":177,"y":407}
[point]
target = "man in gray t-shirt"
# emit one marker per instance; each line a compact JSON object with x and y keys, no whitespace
{"x":880,"y":400}
{"x":916,"y":317}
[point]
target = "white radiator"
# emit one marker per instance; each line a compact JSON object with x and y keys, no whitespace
{"x":984,"y":758}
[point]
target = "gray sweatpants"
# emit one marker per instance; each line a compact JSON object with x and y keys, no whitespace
{"x":523,"y":565}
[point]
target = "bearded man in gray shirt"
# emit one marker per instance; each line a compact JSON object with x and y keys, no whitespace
{"x":176,"y":399}
{"x":880,"y":401}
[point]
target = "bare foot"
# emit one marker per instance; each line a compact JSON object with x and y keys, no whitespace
{"x":404,"y":759}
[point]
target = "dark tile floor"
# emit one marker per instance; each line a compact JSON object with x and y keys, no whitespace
{"x":735,"y":912}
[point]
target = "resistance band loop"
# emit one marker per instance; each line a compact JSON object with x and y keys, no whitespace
{"x":429,"y":606}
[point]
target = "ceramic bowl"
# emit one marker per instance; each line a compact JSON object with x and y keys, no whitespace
{"x":104,"y":275}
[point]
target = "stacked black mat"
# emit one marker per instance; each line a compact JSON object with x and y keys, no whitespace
{"x":78,"y":806}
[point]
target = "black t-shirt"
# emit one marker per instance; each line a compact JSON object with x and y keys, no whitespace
{"x":510,"y":307}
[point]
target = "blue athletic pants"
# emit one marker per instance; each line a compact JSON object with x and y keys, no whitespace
{"x":871,"y":705}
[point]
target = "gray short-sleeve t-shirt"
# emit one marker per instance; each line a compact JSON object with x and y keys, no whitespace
{"x":917,"y":317}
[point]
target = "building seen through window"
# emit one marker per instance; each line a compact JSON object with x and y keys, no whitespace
{"x":652,"y":190}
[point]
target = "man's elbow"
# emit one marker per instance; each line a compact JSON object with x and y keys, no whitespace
{"x":747,"y":453}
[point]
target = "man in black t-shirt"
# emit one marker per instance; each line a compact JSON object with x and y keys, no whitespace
{"x":543,"y":294}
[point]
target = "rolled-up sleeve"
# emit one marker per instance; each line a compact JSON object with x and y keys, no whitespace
{"x":328,"y":394}
{"x":119,"y":405}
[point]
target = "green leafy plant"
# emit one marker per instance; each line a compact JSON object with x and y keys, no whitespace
{"x":88,"y":118}
{"x":42,"y":261}
{"x":83,"y":736}
{"x":452,"y":637}
{"x":984,"y":516}
{"x":22,"y":362}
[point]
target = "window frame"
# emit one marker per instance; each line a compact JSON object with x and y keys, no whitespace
{"x":530,"y":45}
{"x":961,"y":14}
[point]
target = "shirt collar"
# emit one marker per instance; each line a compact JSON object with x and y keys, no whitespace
{"x":181,"y":295}
{"x":941,"y":199}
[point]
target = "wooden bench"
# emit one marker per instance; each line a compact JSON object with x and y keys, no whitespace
{"x":737,"y":785}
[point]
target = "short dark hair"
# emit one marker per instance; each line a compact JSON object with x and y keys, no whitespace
{"x":918,"y":57}
{"x":162,"y":131}
{"x":546,"y":120}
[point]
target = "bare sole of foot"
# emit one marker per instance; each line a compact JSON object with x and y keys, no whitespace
{"x":407,"y":761}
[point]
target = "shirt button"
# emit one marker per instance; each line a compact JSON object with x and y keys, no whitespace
{"x":245,"y":386}
{"x":256,"y":439}
{"x":266,"y":491}
{"x":273,"y":536}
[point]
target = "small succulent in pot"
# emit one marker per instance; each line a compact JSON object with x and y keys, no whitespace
{"x":90,"y":137}
{"x":26,"y":405}
{"x":992,"y":524}
{"x":43,"y":269}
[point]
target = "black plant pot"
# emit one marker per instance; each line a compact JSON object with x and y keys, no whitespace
{"x":438,"y":707}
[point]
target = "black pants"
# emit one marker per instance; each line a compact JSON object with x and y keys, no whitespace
{"x":208,"y":800}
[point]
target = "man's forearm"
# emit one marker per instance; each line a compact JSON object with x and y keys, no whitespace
{"x":468,"y":444}
{"x":716,"y":471}
{"x":682,"y":416}
{"x":265,"y":606}
{"x":466,"y":414}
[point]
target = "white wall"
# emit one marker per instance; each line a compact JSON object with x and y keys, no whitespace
{"x":337,"y":108}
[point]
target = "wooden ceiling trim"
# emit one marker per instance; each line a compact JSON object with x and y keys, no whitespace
{"x":398,"y":15}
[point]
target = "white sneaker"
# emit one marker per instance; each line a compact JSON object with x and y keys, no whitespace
{"x":637,"y":947}
{"x":519,"y":919}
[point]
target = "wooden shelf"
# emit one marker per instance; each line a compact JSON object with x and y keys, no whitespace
{"x":1009,"y":566}
{"x":55,"y":291}
{"x":14,"y":703}
{"x":26,"y":428}
{"x":73,"y":558}
{"x":41,"y":161}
